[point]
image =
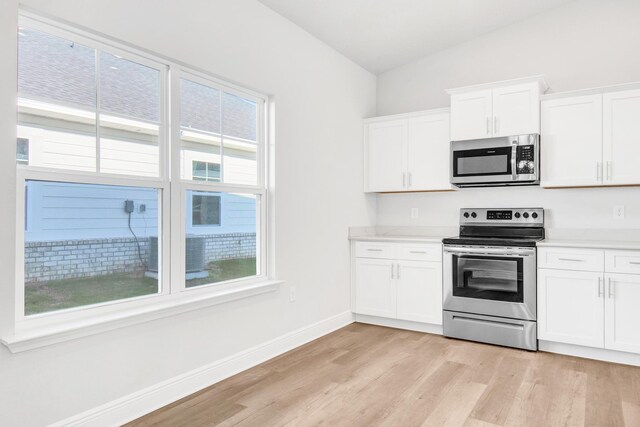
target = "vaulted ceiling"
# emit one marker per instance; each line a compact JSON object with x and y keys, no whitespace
{"x":384,"y":34}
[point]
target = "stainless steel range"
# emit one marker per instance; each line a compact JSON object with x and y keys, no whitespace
{"x":490,"y":277}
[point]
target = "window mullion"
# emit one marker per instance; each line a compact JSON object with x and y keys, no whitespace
{"x":176,"y":217}
{"x":97,"y":112}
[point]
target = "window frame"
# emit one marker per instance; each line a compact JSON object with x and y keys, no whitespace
{"x":172,"y":190}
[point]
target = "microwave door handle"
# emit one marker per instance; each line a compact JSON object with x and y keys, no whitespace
{"x":514,"y":152}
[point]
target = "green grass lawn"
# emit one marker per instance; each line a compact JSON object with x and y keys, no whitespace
{"x":227,"y":269}
{"x":61,"y":294}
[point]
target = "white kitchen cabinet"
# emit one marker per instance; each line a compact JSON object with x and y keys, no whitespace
{"x":419,"y":291}
{"x":591,"y":139}
{"x":386,"y":155}
{"x":375,"y":288}
{"x":407,"y":286}
{"x":516,"y":109}
{"x":428,"y":153}
{"x":597,"y":308}
{"x":496,"y":109}
{"x":407,"y":152}
{"x":621,"y":137}
{"x":571,"y":307}
{"x":622,"y":313}
{"x":571,"y":141}
{"x":472,"y":115}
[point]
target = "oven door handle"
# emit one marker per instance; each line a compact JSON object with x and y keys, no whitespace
{"x":497,"y":252}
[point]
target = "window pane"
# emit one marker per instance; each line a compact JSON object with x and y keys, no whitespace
{"x":129,"y":89}
{"x":240,"y":166}
{"x":129,"y":117}
{"x":56,"y":101}
{"x":200,"y":128}
{"x":221,"y":237}
{"x":239,"y":126}
{"x":86,"y":244}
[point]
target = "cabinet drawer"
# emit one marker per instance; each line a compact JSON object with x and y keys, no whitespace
{"x":571,"y":259}
{"x":375,"y":250}
{"x":420,"y":252}
{"x":622,"y":262}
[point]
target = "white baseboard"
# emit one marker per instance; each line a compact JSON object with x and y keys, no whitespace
{"x":590,"y":352}
{"x":137,"y":404}
{"x":399,"y":324}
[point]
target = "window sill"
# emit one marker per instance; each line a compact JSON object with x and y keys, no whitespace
{"x":24,"y":341}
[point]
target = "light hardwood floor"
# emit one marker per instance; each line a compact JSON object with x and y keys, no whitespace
{"x":364,"y":375}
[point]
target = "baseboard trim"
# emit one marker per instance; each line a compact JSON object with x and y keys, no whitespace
{"x":399,"y":324}
{"x":590,"y":352}
{"x":142,"y":402}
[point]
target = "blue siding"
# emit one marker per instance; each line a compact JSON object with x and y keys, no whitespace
{"x":64,"y":211}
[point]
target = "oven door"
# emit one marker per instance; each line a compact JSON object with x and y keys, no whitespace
{"x":495,"y":281}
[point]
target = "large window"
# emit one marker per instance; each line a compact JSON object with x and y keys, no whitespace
{"x":105,"y":219}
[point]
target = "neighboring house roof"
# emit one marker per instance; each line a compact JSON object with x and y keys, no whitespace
{"x":54,"y":69}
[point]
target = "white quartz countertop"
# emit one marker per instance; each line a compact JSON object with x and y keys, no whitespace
{"x":623,"y":239}
{"x":401,"y":234}
{"x":399,"y":238}
{"x":591,"y":244}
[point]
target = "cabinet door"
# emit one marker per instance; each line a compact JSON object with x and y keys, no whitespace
{"x":419,"y":288}
{"x":471,"y":115}
{"x":621,"y":137}
{"x":516,"y":109}
{"x":571,"y":307}
{"x":622,"y":317}
{"x":428,"y":153}
{"x":386,"y":148}
{"x":571,"y":141}
{"x":375,"y":288}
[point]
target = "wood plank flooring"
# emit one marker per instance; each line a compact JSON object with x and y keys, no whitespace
{"x":364,"y":375}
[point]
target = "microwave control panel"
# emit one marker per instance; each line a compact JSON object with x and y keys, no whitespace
{"x":525,"y":160}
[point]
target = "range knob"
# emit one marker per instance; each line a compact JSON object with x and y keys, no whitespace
{"x":526,"y":215}
{"x":517,"y":215}
{"x":534,"y":215}
{"x":466,"y":214}
{"x":473,"y":215}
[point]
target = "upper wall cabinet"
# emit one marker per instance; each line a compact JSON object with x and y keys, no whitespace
{"x":621,"y":137}
{"x":407,"y":152}
{"x":496,"y":109}
{"x":571,"y":141}
{"x":591,"y":139}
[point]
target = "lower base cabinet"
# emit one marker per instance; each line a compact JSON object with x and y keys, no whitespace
{"x":571,"y":307}
{"x":598,"y":309}
{"x":622,"y":312}
{"x":375,"y":290}
{"x":419,"y":291}
{"x":405,"y":289}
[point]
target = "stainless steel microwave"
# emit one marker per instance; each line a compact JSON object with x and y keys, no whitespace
{"x":509,"y":160}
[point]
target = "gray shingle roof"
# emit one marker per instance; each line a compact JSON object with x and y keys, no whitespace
{"x":57,"y":70}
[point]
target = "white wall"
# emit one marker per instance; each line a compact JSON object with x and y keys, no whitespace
{"x":320,"y":98}
{"x":584,"y":44}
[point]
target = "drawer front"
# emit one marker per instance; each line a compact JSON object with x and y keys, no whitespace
{"x":622,"y":262}
{"x":420,"y":252}
{"x":571,"y":259}
{"x":375,"y":250}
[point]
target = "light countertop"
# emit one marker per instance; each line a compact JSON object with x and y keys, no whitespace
{"x":622,"y":239}
{"x":591,"y":244}
{"x":401,"y":234}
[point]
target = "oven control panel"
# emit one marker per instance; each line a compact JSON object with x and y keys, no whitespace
{"x":515,"y":217}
